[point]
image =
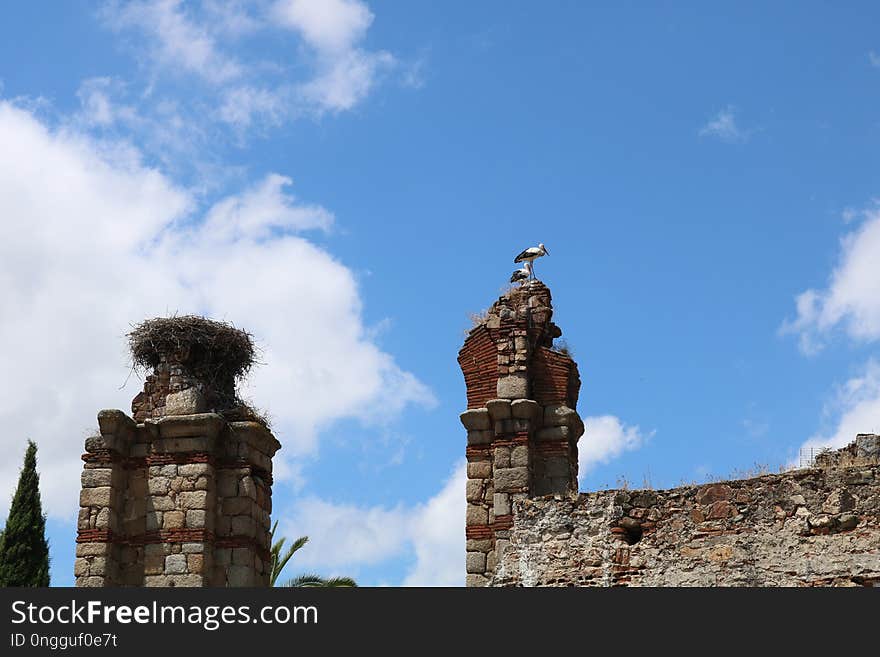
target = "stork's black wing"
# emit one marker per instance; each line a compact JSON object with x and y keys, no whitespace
{"x":522,"y":256}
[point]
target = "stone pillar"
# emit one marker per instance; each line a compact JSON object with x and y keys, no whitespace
{"x":244,"y":506}
{"x":180,"y":497}
{"x":102,"y":501}
{"x":522,"y":423}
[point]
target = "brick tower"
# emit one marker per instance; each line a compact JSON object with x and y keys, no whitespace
{"x":180,"y":494}
{"x":522,"y":423}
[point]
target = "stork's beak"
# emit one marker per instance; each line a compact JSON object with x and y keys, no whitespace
{"x":546,"y":250}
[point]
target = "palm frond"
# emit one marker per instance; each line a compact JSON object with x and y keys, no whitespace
{"x":309,"y":579}
{"x":340,"y":582}
{"x":313,"y":580}
{"x":280,"y":557}
{"x":279,"y":560}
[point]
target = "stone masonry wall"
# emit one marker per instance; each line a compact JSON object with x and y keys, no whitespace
{"x":176,"y":495}
{"x":172,"y":390}
{"x":526,"y":525}
{"x":522,"y":426}
{"x":812,"y":527}
{"x":180,"y":501}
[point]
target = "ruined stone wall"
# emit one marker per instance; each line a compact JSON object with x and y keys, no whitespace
{"x":181,"y":501}
{"x":521,"y":422}
{"x":176,"y":496}
{"x":526,"y":525}
{"x":810,"y":527}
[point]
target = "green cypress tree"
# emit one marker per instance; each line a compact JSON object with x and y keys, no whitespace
{"x":24,"y":552}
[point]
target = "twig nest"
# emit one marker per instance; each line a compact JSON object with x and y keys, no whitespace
{"x":215,"y":353}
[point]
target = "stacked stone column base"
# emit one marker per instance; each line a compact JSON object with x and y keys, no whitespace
{"x":178,"y":501}
{"x":515,"y":449}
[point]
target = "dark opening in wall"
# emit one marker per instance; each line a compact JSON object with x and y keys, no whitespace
{"x":632,"y":530}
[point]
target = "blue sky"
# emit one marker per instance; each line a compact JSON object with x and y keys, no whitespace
{"x":349,"y":179}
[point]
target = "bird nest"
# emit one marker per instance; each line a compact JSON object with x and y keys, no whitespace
{"x":215,"y":353}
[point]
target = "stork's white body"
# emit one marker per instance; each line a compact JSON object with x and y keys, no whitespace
{"x":530,"y":254}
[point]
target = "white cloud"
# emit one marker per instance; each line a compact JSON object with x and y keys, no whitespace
{"x":333,"y":29}
{"x":232,"y":18}
{"x":874,"y":58}
{"x":327,"y":25}
{"x":99,"y":106}
{"x":245,"y":105}
{"x":414,"y":74}
{"x":166,"y":130}
{"x":605,"y":438}
{"x":261,"y":212}
{"x":201,"y":39}
{"x":851,"y":303}
{"x":92,"y":241}
{"x":724,"y":127}
{"x":854,"y":409}
{"x":343,"y":537}
{"x":852,"y":298}
{"x":178,"y":41}
{"x":345,"y":79}
{"x":438,"y":536}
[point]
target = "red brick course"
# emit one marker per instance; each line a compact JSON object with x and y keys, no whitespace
{"x":555,"y":379}
{"x":479,"y":364}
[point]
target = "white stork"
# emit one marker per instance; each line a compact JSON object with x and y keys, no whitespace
{"x":530,"y":254}
{"x":522,"y":275}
